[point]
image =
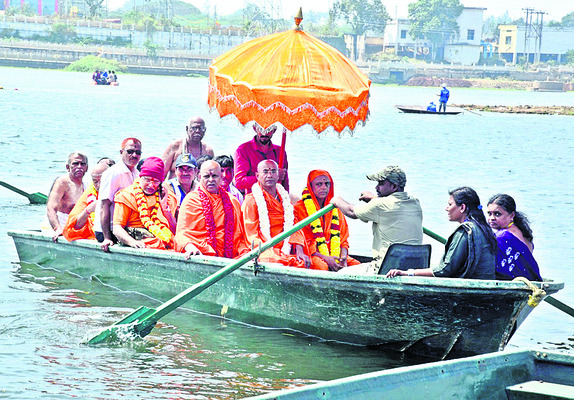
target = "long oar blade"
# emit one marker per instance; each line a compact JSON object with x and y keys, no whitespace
{"x":34,"y":198}
{"x":141,"y":322}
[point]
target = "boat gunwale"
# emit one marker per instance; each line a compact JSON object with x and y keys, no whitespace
{"x":425,"y":283}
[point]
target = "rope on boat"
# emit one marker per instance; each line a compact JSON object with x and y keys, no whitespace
{"x":537,"y":295}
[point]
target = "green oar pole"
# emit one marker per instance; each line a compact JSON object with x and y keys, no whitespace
{"x":35,"y":198}
{"x":549,"y":299}
{"x":142,"y":321}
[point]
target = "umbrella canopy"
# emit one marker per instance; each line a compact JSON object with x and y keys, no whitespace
{"x":289,"y":78}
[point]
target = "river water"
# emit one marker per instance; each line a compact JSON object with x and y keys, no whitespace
{"x":44,"y":315}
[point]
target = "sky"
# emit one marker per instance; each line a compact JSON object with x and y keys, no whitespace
{"x":556,"y":9}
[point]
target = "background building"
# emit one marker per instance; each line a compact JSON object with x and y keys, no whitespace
{"x":553,"y":44}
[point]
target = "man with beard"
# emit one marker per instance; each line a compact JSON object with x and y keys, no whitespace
{"x":191,"y":143}
{"x":143,"y":212}
{"x":80,"y":224}
{"x":209,"y":221}
{"x":396,"y":216}
{"x":249,"y":154}
{"x":114,"y":179}
{"x":65,"y":193}
{"x":267,"y":211}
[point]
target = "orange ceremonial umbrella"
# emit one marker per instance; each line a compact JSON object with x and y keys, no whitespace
{"x":289,"y":78}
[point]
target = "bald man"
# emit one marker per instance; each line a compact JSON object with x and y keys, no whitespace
{"x":267,"y":211}
{"x":210,"y":221}
{"x":191,"y":143}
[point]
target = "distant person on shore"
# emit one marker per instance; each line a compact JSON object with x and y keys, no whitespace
{"x":514,"y":257}
{"x":65,"y":193}
{"x":470,"y":251}
{"x":443,"y":98}
{"x":431,"y":107}
{"x":114,"y":179}
{"x":227,"y":174}
{"x":249,"y":154}
{"x":396,"y":216}
{"x":191,"y":144}
{"x":80,"y":223}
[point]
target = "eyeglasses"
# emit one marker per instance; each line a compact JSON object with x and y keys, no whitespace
{"x":78,"y":163}
{"x":197,"y":128}
{"x":132,"y":151}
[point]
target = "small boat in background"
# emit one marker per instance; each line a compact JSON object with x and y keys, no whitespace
{"x":519,"y":374}
{"x":423,"y":110}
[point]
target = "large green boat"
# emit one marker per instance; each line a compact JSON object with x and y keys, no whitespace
{"x":437,"y":317}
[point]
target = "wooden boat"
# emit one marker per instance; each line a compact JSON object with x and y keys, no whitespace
{"x":437,"y":317}
{"x":423,"y":110}
{"x":515,"y":375}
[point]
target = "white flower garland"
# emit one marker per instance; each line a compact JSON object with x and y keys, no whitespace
{"x":264,"y":223}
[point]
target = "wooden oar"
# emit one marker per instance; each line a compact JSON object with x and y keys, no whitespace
{"x":549,"y":299}
{"x":35,"y":198}
{"x":141,"y":321}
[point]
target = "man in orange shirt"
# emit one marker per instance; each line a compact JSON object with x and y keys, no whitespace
{"x":80,"y":224}
{"x":210,"y":221}
{"x":143,"y":211}
{"x":267,"y":211}
{"x":326,"y":238}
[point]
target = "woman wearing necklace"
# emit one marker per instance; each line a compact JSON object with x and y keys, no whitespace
{"x":514,"y":236}
{"x":470,"y":251}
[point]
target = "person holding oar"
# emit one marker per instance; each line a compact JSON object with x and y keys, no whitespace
{"x":65,"y":193}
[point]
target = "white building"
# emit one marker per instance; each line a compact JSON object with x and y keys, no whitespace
{"x":464,"y":49}
{"x":552,"y":44}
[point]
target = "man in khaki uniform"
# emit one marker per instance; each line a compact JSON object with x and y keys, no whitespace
{"x":396,"y":216}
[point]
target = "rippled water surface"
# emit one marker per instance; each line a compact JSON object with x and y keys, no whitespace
{"x":44,"y":315}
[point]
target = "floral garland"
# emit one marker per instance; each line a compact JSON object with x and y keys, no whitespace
{"x":264,"y":223}
{"x":229,"y":224}
{"x":317,"y":228}
{"x":92,"y":196}
{"x":149,"y":217}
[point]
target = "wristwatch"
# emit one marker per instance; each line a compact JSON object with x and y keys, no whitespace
{"x":410,"y":272}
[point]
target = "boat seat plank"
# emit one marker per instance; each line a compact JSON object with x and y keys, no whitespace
{"x":539,"y":390}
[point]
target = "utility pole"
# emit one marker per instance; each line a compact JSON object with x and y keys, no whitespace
{"x":268,"y":19}
{"x":533,"y":29}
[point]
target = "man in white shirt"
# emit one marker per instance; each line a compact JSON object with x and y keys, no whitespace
{"x":113,"y":180}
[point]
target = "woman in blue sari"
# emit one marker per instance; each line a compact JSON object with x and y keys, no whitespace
{"x":514,"y":257}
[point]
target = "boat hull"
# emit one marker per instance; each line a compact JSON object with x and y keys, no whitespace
{"x":423,"y":110}
{"x":519,"y":374}
{"x":437,"y":317}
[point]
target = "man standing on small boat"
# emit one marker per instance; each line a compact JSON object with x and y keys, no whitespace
{"x":209,"y":221}
{"x":65,"y":193}
{"x":249,"y":154}
{"x":396,"y":216}
{"x":267,"y":211}
{"x":80,"y":224}
{"x":114,"y":179}
{"x":191,"y":143}
{"x":443,"y":98}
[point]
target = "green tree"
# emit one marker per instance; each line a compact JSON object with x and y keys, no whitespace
{"x":94,"y":7}
{"x":568,"y":20}
{"x":435,"y":21}
{"x":361,"y":15}
{"x":570,"y":57}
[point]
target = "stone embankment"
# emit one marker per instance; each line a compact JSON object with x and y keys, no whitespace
{"x":553,"y":110}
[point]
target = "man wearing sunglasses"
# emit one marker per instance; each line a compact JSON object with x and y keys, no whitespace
{"x":65,"y":193}
{"x":114,"y":179}
{"x":190,"y":144}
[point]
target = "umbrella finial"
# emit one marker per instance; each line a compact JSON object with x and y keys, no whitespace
{"x":298,"y":19}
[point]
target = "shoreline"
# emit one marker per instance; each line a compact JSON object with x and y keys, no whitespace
{"x":522,"y":109}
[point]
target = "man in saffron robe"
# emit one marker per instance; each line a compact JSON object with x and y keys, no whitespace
{"x":142,"y":215}
{"x":267,"y":211}
{"x":80,"y":224}
{"x":210,"y":221}
{"x":326,"y":239}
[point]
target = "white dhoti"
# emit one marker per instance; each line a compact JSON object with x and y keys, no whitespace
{"x":62,"y":219}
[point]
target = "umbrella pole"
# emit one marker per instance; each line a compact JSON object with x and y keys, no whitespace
{"x":282,"y":152}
